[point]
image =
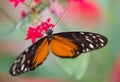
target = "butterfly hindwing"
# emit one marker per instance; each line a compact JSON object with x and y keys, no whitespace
{"x":71,"y":44}
{"x":30,"y":58}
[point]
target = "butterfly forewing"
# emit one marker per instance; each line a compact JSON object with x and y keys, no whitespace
{"x":30,"y":58}
{"x":76,"y":43}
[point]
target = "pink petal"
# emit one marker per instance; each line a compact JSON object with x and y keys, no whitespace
{"x":22,"y":1}
{"x":28,"y":37}
{"x":37,"y":1}
{"x":48,"y":20}
{"x":40,"y":35}
{"x":38,"y":28}
{"x":11,"y":0}
{"x":16,"y":3}
{"x":33,"y":38}
{"x":31,"y":29}
{"x":23,"y":14}
{"x":30,"y":34}
{"x":52,"y":8}
{"x":86,"y":13}
{"x":51,"y":25}
{"x":56,"y":8}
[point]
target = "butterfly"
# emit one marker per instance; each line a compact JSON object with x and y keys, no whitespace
{"x":64,"y":45}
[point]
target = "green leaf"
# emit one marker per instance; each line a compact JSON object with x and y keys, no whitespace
{"x":20,"y":24}
{"x":75,"y":67}
{"x":5,"y":63}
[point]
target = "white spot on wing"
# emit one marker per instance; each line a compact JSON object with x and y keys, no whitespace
{"x":91,"y":46}
{"x":97,"y":45}
{"x":90,"y":34}
{"x":18,"y":70}
{"x":28,"y":61}
{"x":96,"y":40}
{"x":16,"y":61}
{"x":81,"y":33}
{"x":89,"y":40}
{"x":94,"y":36}
{"x":83,"y":50}
{"x":98,"y":35}
{"x":14,"y":73}
{"x":77,"y":52}
{"x":13,"y":69}
{"x":25,"y":70}
{"x":26,"y":50}
{"x":22,"y":67}
{"x":23,"y":59}
{"x":101,"y":44}
{"x":82,"y":45}
{"x":101,"y":40}
{"x":86,"y":37}
{"x":87,"y":50}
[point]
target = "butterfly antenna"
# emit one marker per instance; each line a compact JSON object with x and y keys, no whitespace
{"x":62,"y":15}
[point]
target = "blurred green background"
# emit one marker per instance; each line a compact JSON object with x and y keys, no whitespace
{"x":95,"y":66}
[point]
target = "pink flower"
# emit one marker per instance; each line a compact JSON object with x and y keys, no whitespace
{"x":115,"y":75}
{"x":46,"y":25}
{"x":33,"y":33}
{"x":56,"y":8}
{"x":83,"y":13}
{"x":36,"y":32}
{"x":23,"y":14}
{"x":16,"y":2}
{"x":37,"y":1}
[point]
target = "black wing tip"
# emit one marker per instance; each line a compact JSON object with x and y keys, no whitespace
{"x":105,"y":40}
{"x":12,"y":74}
{"x":17,"y":73}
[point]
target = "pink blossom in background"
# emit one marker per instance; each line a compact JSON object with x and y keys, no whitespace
{"x":82,"y":13}
{"x":16,"y":2}
{"x":115,"y":75}
{"x":37,"y":1}
{"x":23,"y":14}
{"x":56,"y":8}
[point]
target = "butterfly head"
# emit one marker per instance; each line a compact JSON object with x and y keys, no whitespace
{"x":49,"y":33}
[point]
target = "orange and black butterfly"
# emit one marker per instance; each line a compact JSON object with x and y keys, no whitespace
{"x":64,"y":45}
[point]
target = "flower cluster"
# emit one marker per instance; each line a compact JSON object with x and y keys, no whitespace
{"x":37,"y":31}
{"x":16,"y":2}
{"x":55,"y":7}
{"x":81,"y":8}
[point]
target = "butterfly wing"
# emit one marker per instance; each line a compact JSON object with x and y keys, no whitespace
{"x":71,"y":44}
{"x":30,"y":58}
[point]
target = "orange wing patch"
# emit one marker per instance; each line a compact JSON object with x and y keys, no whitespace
{"x":41,"y":53}
{"x":63,"y":47}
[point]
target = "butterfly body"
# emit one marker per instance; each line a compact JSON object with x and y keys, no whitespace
{"x":64,"y":45}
